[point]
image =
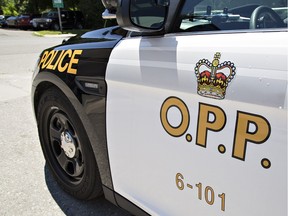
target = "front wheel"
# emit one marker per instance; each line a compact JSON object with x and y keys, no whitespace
{"x":66,"y":147}
{"x":79,"y":26}
{"x":55,"y":27}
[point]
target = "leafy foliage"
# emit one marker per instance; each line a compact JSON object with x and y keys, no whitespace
{"x":92,"y":9}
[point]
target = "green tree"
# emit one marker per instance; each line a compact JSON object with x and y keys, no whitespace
{"x":71,"y":4}
{"x":92,"y":11}
{"x":37,"y":6}
{"x":8,"y":7}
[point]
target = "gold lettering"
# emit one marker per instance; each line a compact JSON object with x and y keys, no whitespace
{"x":243,"y":133}
{"x":61,"y":67}
{"x":179,"y":130}
{"x":74,"y":61}
{"x":58,"y":59}
{"x":50,"y":66}
{"x":43,"y":58}
{"x":62,"y":61}
{"x":47,"y":60}
{"x":204,"y":123}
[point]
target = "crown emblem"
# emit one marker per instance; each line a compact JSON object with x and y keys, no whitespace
{"x":213,"y":78}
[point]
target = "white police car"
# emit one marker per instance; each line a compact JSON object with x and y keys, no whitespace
{"x":185,"y":113}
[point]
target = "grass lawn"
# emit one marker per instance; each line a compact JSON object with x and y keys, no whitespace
{"x":49,"y":32}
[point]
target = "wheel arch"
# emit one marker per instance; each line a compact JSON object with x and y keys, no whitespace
{"x":46,"y":80}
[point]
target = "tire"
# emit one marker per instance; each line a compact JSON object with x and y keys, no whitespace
{"x":55,"y":27}
{"x":79,"y":26}
{"x":66,"y":146}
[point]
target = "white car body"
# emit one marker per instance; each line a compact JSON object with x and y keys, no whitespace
{"x":168,"y":175}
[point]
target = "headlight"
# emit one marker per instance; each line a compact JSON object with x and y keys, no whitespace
{"x":48,"y":20}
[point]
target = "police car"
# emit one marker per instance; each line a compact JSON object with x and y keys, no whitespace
{"x":182,"y":110}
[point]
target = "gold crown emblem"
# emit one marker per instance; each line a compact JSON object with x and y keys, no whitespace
{"x":213,"y":78}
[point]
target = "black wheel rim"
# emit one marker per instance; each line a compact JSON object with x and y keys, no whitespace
{"x":69,"y":164}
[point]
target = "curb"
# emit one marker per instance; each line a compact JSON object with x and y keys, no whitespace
{"x":61,"y":35}
{"x":53,"y":36}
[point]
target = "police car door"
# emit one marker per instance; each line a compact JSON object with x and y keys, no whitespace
{"x":197,"y":118}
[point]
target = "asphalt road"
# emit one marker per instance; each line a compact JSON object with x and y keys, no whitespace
{"x":26,"y":185}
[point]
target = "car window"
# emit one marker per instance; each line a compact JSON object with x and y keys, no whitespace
{"x":215,"y":15}
{"x":44,"y":15}
{"x":53,"y":15}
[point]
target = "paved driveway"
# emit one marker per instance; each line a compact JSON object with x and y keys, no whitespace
{"x":26,"y":185}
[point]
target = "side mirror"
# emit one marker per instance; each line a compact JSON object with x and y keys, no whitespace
{"x":142,"y":15}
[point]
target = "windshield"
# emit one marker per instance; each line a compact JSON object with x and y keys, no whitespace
{"x":44,"y":15}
